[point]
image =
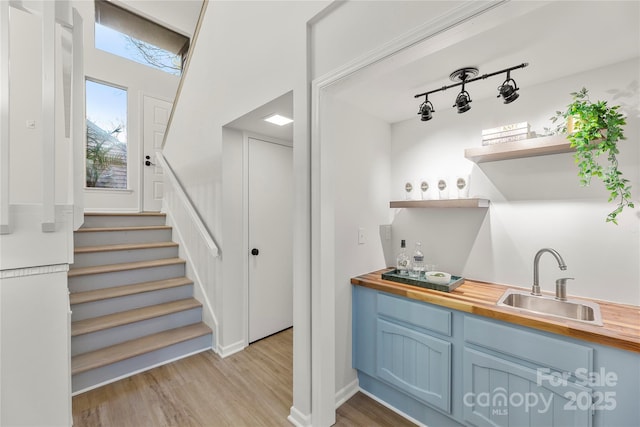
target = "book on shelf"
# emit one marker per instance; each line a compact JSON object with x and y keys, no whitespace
{"x":510,"y":138}
{"x":506,"y":128}
{"x":505,"y":134}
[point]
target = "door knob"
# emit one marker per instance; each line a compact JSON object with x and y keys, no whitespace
{"x":148,"y":161}
{"x":255,"y":251}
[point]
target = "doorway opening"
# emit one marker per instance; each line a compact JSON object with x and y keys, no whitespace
{"x":258,"y":198}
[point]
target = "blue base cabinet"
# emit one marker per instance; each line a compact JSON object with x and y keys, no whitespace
{"x":448,"y":368}
{"x":416,"y":363}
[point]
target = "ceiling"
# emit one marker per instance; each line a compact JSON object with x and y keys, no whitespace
{"x":557,"y":39}
{"x":254,"y":120}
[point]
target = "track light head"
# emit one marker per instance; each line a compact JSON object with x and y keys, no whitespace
{"x":462,"y":101}
{"x":508,"y":91}
{"x":426,"y":108}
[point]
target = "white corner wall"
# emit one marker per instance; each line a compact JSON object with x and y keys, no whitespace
{"x":361,"y":152}
{"x":535,"y":202}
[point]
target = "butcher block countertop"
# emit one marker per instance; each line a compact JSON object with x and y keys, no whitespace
{"x":621,"y":322}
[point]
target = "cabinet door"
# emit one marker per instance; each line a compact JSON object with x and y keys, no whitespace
{"x":416,"y":363}
{"x":498,"y":392}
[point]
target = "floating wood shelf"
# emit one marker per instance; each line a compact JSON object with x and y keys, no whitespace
{"x":451,"y":203}
{"x":518,"y":149}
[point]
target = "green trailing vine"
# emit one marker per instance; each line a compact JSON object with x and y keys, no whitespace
{"x":597,"y":128}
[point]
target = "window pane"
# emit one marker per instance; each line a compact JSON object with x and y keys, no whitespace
{"x":128,"y":47}
{"x":106,"y":136}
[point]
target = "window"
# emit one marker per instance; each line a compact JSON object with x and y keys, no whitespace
{"x":106,"y":155}
{"x":133,"y":37}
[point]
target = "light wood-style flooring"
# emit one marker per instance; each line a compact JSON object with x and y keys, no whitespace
{"x":250,"y":388}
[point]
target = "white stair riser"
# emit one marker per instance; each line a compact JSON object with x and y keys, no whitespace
{"x":92,"y":282}
{"x":107,"y":337}
{"x":105,"y":374}
{"x":129,"y":302}
{"x":91,"y":221}
{"x":117,"y":257}
{"x":96,"y":238}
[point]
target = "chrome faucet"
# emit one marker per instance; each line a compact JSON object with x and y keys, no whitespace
{"x":535,"y":290}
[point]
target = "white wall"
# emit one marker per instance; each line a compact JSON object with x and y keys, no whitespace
{"x":138,"y":80}
{"x":361,"y":148}
{"x":25,"y":104}
{"x":535,"y":202}
{"x":36,"y":388}
{"x":234,"y":239}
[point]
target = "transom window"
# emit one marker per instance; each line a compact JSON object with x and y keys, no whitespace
{"x":133,"y":37}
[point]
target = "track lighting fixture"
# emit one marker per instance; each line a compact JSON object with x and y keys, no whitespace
{"x":426,"y":110}
{"x":507,"y":90}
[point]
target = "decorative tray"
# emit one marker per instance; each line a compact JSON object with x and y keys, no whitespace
{"x":422,"y":282}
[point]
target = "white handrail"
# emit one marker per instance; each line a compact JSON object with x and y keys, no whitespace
{"x":5,"y":224}
{"x":188,"y":206}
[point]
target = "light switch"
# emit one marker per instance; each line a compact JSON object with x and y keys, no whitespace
{"x":361,"y":236}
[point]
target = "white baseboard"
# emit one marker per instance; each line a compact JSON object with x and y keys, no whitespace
{"x":397,"y":411}
{"x":347,"y":392}
{"x":298,"y":419}
{"x":228,"y":350}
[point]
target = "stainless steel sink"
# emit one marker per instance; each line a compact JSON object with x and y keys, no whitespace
{"x":583,"y":311}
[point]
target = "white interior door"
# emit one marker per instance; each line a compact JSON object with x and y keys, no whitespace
{"x":270,"y":238}
{"x":156,"y":115}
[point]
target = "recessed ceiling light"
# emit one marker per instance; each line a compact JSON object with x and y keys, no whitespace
{"x":277,"y":119}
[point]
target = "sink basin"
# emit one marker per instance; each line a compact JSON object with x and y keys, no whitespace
{"x":583,"y":311}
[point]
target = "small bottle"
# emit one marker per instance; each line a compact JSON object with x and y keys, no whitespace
{"x":417,"y":262}
{"x":402,"y":261}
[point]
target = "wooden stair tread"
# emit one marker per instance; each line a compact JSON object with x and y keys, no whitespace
{"x":95,"y":324}
{"x":123,"y":247}
{"x":126,"y":350}
{"x":125,"y":290}
{"x":127,"y":228}
{"x":110,"y":268}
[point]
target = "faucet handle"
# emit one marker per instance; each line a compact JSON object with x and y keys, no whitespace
{"x":561,"y":288}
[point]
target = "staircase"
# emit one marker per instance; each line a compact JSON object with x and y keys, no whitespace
{"x":132,"y":306}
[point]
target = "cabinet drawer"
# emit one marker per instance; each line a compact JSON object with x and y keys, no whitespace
{"x":416,"y":363}
{"x":539,"y":349}
{"x":415,"y":313}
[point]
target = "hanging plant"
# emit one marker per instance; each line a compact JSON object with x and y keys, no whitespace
{"x":594,"y":129}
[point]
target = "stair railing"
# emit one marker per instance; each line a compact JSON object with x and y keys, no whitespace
{"x":200,"y":249}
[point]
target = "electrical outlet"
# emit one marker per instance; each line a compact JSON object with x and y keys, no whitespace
{"x":386,"y":231}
